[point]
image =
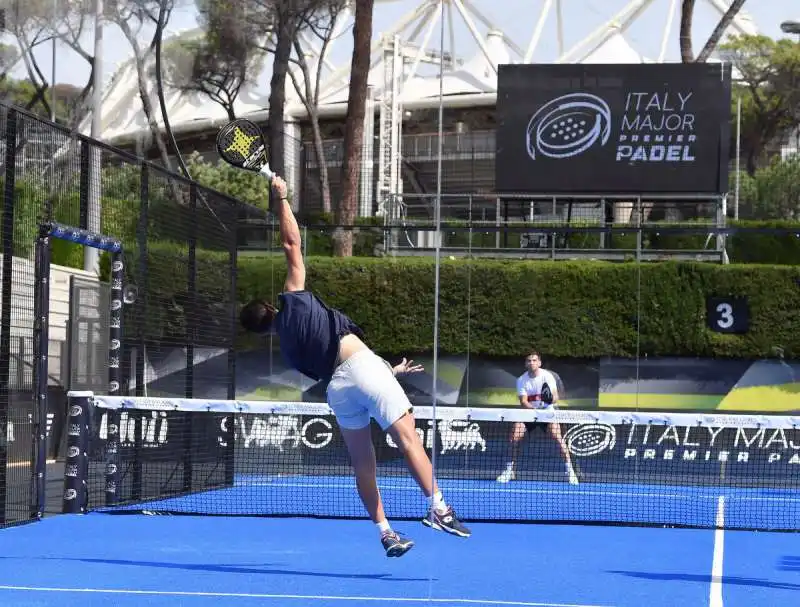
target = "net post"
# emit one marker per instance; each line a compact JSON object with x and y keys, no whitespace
{"x":41,"y":339}
{"x":76,"y":468}
{"x":114,"y":375}
{"x":6,"y":298}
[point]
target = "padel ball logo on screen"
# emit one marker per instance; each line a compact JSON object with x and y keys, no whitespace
{"x":569,"y":125}
{"x":652,"y":126}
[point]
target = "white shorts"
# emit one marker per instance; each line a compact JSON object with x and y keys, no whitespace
{"x":364,"y":386}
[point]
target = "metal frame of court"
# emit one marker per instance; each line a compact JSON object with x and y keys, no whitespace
{"x":58,"y":160}
{"x":108,"y":244}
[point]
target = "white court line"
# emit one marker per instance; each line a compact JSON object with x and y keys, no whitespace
{"x":307,"y":597}
{"x":496,"y":490}
{"x":715,"y":594}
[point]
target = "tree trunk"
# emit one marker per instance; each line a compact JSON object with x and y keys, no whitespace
{"x":147,"y":108}
{"x":144,"y":94}
{"x":716,"y":35}
{"x":354,"y":126}
{"x":277,"y":94}
{"x":687,"y":13}
{"x":319,"y":151}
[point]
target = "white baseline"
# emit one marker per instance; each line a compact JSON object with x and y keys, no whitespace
{"x":306,"y":597}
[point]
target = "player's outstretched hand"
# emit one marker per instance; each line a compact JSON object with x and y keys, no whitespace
{"x":279,"y":189}
{"x":407,"y":367}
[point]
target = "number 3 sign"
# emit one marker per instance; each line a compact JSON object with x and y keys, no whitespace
{"x":728,"y":314}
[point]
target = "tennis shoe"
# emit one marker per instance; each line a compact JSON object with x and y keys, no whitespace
{"x":507,"y":475}
{"x":395,"y":544}
{"x":446,"y":521}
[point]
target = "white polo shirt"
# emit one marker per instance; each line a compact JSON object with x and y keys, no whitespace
{"x":531,"y":387}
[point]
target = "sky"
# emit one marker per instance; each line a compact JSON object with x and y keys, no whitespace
{"x":517,"y":18}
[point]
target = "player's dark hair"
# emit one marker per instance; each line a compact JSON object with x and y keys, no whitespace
{"x":257,"y":316}
{"x":533,"y":353}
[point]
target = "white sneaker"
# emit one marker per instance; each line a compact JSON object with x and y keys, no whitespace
{"x":507,"y":475}
{"x":573,"y":478}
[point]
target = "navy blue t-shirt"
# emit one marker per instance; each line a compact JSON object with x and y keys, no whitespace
{"x":309,"y":333}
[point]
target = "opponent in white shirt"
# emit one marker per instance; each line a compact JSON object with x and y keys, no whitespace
{"x":536,"y":389}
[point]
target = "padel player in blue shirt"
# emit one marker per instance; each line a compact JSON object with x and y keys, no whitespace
{"x":324,"y":344}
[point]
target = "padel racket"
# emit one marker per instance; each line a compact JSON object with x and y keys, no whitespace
{"x":241,"y":144}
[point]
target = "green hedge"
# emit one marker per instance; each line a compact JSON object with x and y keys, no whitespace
{"x":570,"y":309}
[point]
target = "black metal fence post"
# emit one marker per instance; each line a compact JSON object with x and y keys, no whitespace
{"x":191,"y":334}
{"x":114,"y":375}
{"x":142,"y":269}
{"x":5,"y":299}
{"x":230,"y":462}
{"x":41,"y":345}
{"x":142,"y":279}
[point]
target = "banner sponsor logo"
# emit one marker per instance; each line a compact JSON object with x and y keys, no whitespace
{"x":657,"y":126}
{"x":154,"y":429}
{"x":569,"y":125}
{"x":691,"y":444}
{"x":585,"y":440}
{"x":282,"y":432}
{"x":453,"y":436}
{"x":653,"y":126}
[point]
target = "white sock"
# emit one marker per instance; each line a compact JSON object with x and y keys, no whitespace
{"x":383,"y":526}
{"x":437,"y":501}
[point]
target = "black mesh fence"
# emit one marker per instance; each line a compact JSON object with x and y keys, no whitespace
{"x":179,"y":244}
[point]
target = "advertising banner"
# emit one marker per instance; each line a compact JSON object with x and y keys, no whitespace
{"x":656,"y":128}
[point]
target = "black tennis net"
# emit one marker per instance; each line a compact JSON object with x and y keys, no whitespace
{"x":259,"y":458}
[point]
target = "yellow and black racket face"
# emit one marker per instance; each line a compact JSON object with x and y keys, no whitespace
{"x":241,"y":144}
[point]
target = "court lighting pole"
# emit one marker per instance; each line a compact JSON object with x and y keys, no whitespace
{"x":53,"y":71}
{"x":91,"y":256}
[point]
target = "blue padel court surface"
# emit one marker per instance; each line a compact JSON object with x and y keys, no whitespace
{"x":102,"y":559}
{"x":761,"y":508}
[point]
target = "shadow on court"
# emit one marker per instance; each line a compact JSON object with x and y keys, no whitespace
{"x":706,"y":579}
{"x":264,"y":569}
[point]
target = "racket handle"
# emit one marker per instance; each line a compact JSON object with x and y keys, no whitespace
{"x":267,"y":172}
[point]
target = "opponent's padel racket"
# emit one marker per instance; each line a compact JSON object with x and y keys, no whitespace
{"x":241,"y":144}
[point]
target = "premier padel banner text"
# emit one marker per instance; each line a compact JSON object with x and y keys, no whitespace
{"x":613,"y":128}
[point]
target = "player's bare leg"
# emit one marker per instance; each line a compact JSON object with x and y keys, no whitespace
{"x":362,"y":458}
{"x":518,"y":431}
{"x":555,"y":432}
{"x":440,"y":516}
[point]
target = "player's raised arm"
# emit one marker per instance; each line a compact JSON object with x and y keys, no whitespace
{"x":290,"y":238}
